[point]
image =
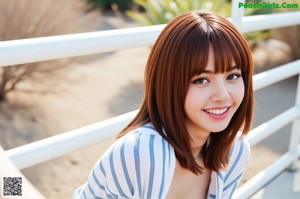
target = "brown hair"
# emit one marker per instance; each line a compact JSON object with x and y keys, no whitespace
{"x":179,"y":53}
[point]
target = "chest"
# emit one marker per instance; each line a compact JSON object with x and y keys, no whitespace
{"x":186,"y":184}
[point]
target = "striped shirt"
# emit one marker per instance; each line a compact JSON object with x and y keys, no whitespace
{"x":141,"y":164}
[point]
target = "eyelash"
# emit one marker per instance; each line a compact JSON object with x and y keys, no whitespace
{"x":201,"y":79}
{"x":197,"y":81}
{"x":237,"y":76}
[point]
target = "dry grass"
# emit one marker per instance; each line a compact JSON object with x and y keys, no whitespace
{"x":35,"y":18}
{"x":21,"y":19}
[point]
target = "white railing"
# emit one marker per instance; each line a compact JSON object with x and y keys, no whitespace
{"x":288,"y":159}
{"x":56,"y":146}
{"x":47,"y":48}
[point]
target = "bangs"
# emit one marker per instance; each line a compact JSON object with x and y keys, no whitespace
{"x":227,"y":49}
{"x":197,"y":57}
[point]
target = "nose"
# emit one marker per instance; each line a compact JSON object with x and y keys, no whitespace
{"x":220,"y":92}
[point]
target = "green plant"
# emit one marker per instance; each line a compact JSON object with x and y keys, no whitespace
{"x":162,"y":11}
{"x":107,"y":4}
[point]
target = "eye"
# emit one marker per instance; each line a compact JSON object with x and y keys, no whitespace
{"x":200,"y":81}
{"x":233,"y":76}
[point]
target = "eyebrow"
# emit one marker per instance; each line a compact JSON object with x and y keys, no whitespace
{"x":211,"y":72}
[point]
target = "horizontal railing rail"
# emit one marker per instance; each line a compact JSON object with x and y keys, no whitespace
{"x":288,"y":159}
{"x":268,"y":128}
{"x":56,"y":146}
{"x":40,"y":151}
{"x":65,"y":46}
{"x":48,"y":48}
{"x":265,"y":176}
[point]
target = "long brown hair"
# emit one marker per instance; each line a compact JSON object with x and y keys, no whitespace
{"x":179,"y":53}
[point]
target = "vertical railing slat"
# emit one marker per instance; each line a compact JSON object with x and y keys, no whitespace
{"x":295,"y":134}
{"x":237,"y":13}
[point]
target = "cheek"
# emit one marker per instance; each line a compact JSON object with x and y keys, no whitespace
{"x":191,"y":100}
{"x":195,"y":97}
{"x":239,"y":93}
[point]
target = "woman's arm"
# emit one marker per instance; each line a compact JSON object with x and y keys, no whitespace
{"x":8,"y":169}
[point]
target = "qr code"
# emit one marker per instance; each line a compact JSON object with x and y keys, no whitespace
{"x":12,"y":186}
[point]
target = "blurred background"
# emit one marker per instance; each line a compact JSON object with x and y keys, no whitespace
{"x":43,"y":99}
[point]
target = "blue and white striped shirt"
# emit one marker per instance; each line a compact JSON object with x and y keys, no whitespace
{"x":141,"y":164}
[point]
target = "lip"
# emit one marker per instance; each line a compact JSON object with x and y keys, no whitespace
{"x":218,"y":116}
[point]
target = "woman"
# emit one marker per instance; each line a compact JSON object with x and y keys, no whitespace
{"x":185,"y":141}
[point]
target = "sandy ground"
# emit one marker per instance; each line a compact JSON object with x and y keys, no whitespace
{"x":93,"y":89}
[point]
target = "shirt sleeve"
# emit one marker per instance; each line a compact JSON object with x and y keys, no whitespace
{"x":239,"y":158}
{"x":135,"y":166}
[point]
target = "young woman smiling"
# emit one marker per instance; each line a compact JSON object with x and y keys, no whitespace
{"x":187,"y":140}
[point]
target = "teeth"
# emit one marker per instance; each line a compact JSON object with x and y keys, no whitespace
{"x":217,"y":111}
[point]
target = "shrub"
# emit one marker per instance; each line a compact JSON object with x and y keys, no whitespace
{"x":35,"y":18}
{"x":162,"y":11}
{"x":108,"y":4}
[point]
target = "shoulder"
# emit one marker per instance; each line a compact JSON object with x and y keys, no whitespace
{"x":140,"y":147}
{"x":240,"y":149}
{"x":238,"y":157}
{"x":137,"y":165}
{"x":143,"y":137}
{"x":144,"y":159}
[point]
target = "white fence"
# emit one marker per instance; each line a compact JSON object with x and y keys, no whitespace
{"x":47,"y":48}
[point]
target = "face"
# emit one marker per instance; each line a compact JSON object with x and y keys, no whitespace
{"x":212,"y":99}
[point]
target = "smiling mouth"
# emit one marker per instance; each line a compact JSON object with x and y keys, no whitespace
{"x":217,"y":111}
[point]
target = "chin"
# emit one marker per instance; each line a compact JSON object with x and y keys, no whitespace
{"x":218,"y":129}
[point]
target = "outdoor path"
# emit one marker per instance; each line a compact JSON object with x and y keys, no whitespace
{"x":286,"y":185}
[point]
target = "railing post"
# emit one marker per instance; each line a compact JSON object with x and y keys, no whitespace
{"x":295,"y":134}
{"x":237,"y":13}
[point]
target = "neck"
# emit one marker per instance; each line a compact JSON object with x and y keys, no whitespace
{"x":198,"y":141}
{"x":198,"y":136}
{"x":197,"y":146}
